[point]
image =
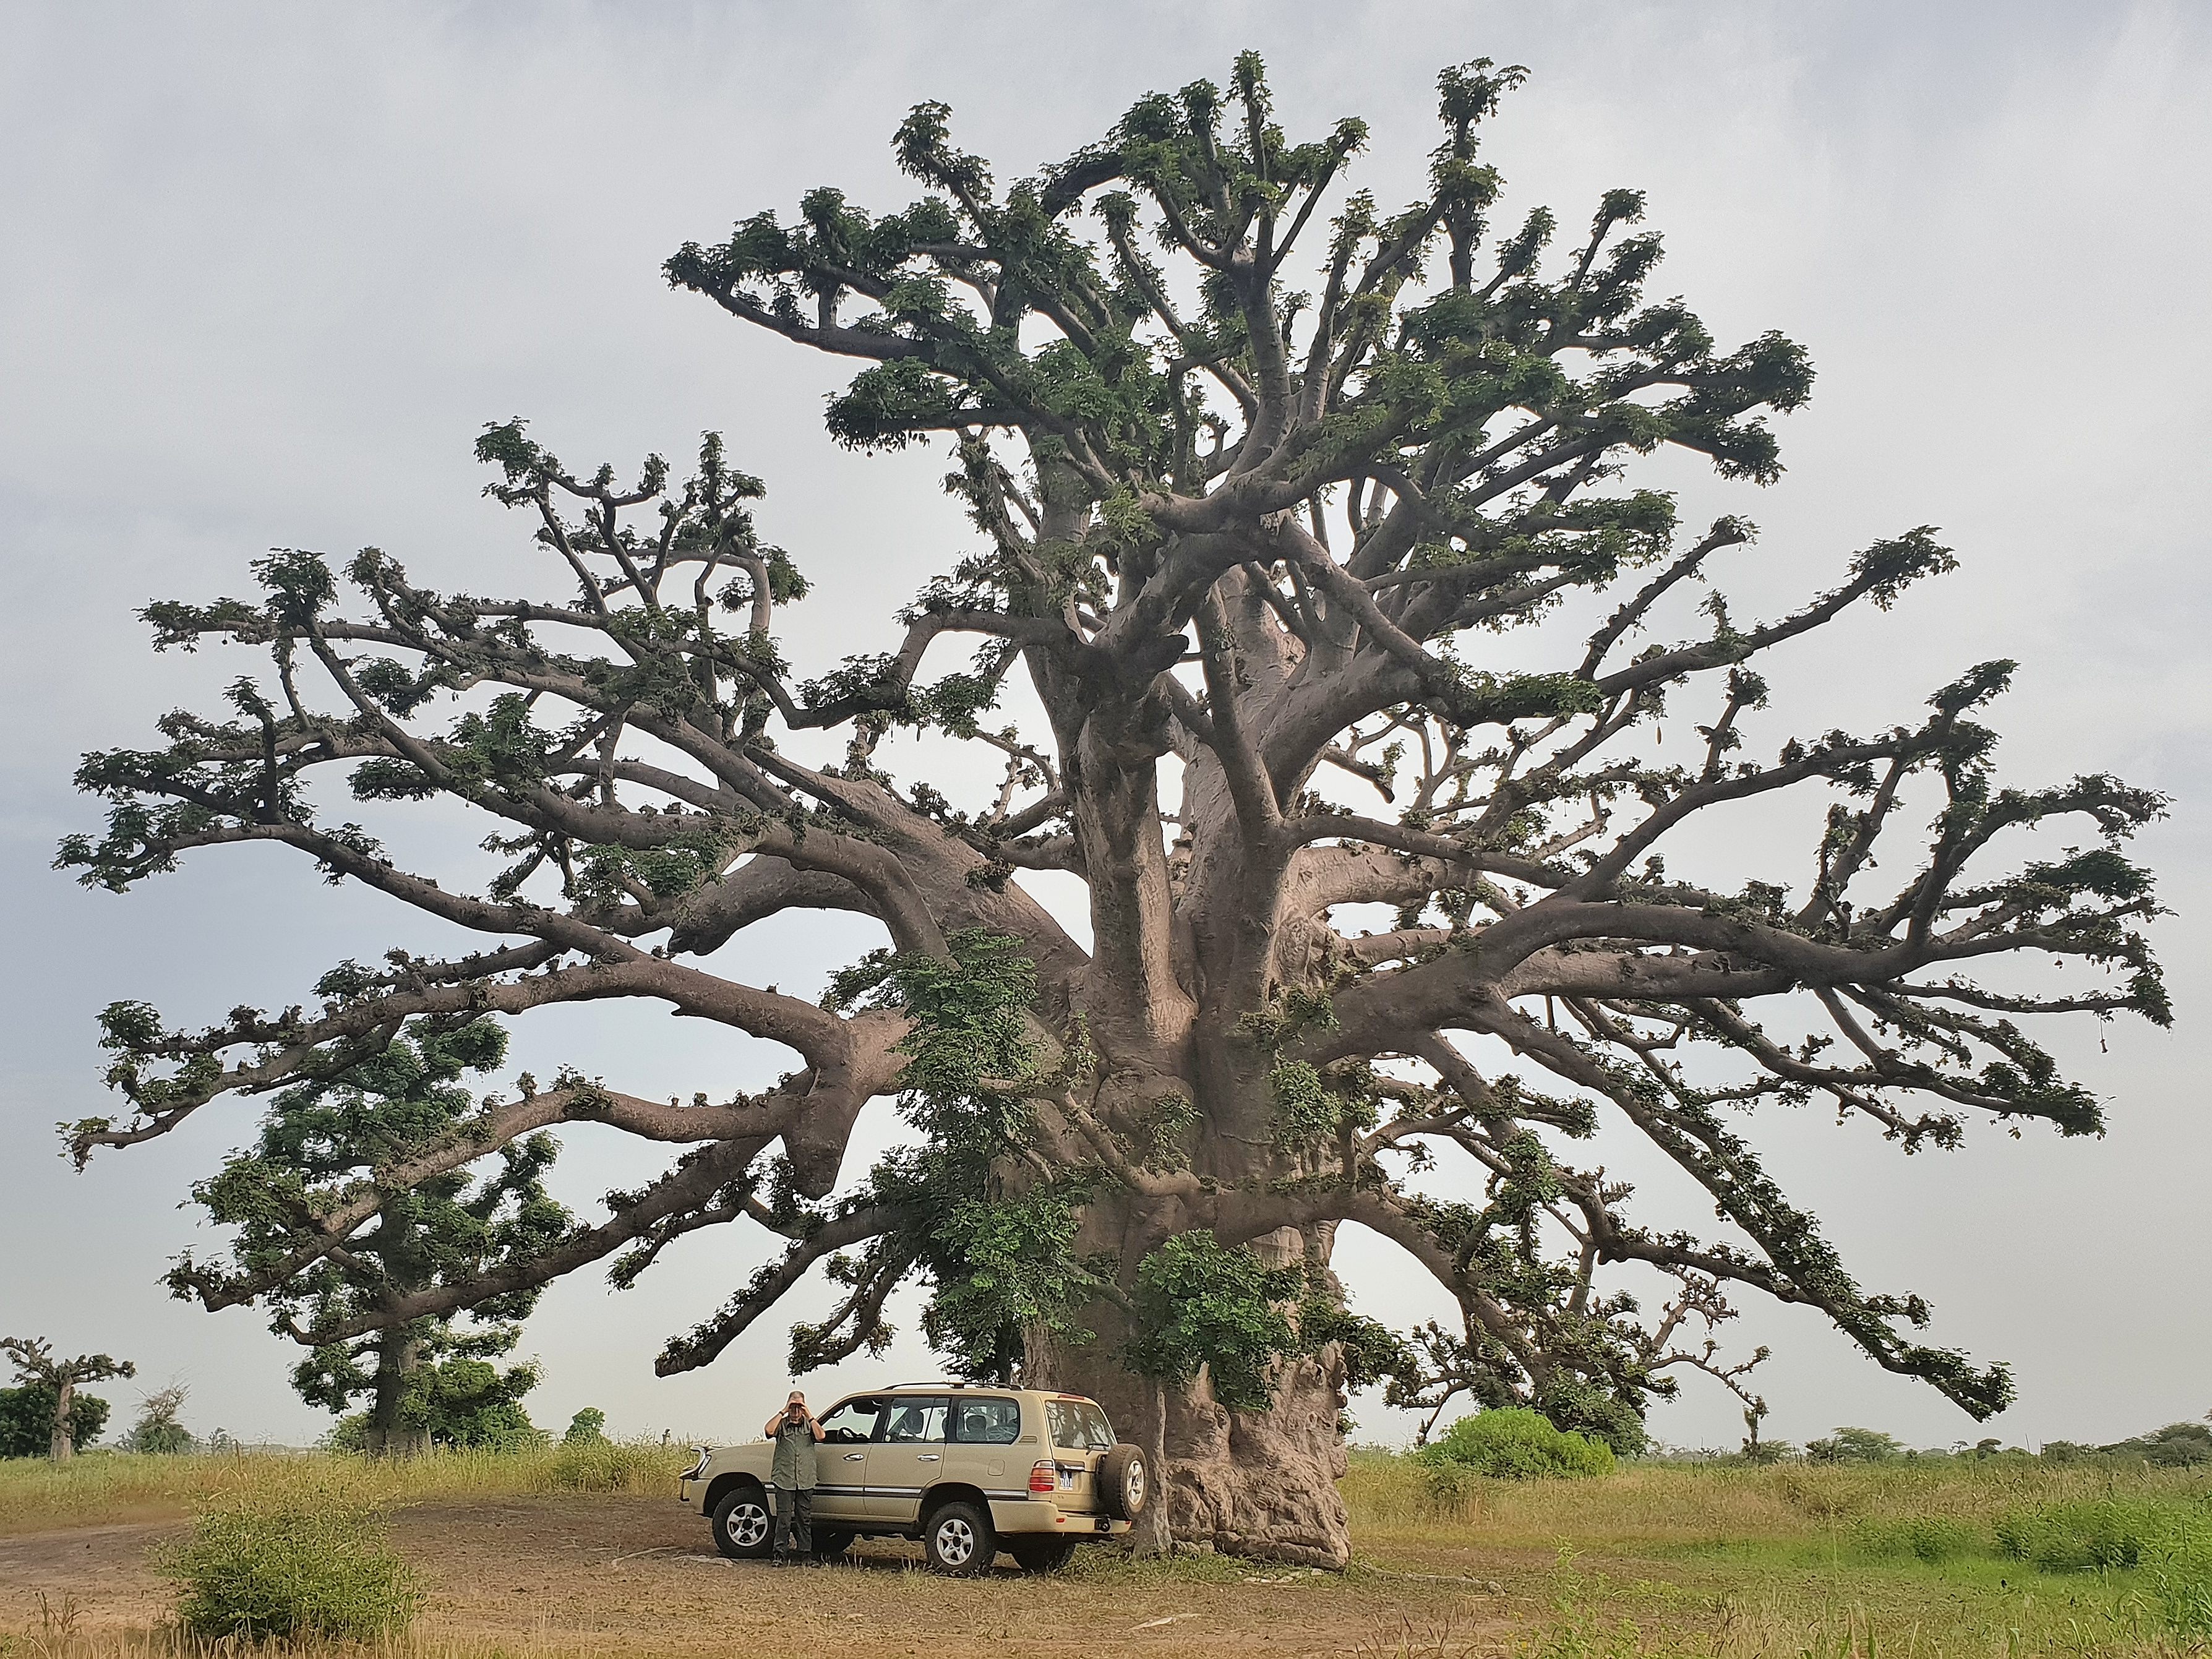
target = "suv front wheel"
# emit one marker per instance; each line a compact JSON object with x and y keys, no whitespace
{"x":957,"y":1539}
{"x":743,"y":1528}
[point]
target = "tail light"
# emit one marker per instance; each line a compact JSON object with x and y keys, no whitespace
{"x":1044,"y":1477}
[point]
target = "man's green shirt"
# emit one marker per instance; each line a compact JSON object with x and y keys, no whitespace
{"x":794,"y":1457}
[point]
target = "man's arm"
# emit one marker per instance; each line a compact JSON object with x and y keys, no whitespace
{"x":815,"y":1424}
{"x":769,"y":1431}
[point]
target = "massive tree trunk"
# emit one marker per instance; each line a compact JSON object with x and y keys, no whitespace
{"x":1260,"y":1484}
{"x":64,"y":1441}
{"x":399,"y":1356}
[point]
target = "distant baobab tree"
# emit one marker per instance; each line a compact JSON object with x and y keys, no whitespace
{"x":35,"y":1363}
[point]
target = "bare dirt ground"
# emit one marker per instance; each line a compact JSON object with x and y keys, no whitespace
{"x":625,"y":1575}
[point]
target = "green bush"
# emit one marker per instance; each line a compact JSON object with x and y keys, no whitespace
{"x":588,"y":1427}
{"x":300,"y":1565}
{"x":2179,"y":1593}
{"x":2106,"y":1535}
{"x":1518,"y":1444}
{"x":1850,"y":1445}
{"x":1923,"y":1537}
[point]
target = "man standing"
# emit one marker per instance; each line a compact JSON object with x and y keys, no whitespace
{"x":795,"y":1431}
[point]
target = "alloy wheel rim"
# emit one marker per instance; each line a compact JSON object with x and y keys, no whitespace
{"x":956,"y":1542}
{"x":1136,"y":1484}
{"x":747,"y":1525}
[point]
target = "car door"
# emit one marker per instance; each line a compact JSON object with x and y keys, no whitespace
{"x":840,"y":1460}
{"x":907,"y":1457}
{"x":984,"y":1428}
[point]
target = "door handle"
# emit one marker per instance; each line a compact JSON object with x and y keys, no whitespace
{"x":854,"y":1457}
{"x":929,"y":1458}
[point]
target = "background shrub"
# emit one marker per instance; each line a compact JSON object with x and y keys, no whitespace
{"x":2179,"y":1568}
{"x":2107,"y":1534}
{"x":1518,"y":1444}
{"x":588,"y":1427}
{"x":1851,"y":1445}
{"x":1923,"y":1537}
{"x":291,"y":1564}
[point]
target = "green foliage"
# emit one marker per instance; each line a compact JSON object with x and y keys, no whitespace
{"x":455,"y":1404}
{"x":1849,"y":1445}
{"x":2178,"y":1566}
{"x":588,"y":1427}
{"x":1200,"y":1302}
{"x":996,"y":1260}
{"x":1370,"y":1351}
{"x":160,"y":1429}
{"x":1931,"y":1538}
{"x":1018,"y":1254}
{"x":26,"y":1419}
{"x":324,"y":1142}
{"x":295,"y":1566}
{"x":2176,"y":1446}
{"x":2108,"y":1534}
{"x":1515,"y":1444}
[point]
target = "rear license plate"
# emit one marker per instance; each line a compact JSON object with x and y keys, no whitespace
{"x":1066,"y":1481}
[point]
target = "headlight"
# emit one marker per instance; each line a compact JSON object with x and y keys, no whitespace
{"x":699,"y":1467}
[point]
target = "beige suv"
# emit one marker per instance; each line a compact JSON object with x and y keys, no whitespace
{"x":967,"y":1468}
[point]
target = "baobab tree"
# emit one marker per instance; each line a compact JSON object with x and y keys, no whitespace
{"x":35,"y":1363}
{"x":334,"y":1130}
{"x":1324,"y":634}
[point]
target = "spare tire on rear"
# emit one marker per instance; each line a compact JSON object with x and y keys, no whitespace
{"x":1124,"y":1482}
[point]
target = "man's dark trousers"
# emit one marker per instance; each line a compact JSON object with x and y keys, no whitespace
{"x":794,"y":1502}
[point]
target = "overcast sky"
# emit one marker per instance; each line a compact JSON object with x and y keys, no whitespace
{"x":266,"y":269}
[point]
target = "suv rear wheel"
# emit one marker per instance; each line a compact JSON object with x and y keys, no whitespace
{"x":743,"y":1528}
{"x":957,"y":1539}
{"x":1124,"y":1482}
{"x":1041,"y":1554}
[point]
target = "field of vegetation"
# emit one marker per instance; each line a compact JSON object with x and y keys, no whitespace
{"x":579,"y":1550}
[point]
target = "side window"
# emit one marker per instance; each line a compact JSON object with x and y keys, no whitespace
{"x":987,"y":1422}
{"x":913,"y":1420}
{"x":853,"y":1424}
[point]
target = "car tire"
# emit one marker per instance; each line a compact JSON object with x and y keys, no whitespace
{"x":1042,"y":1554}
{"x":745,"y":1527}
{"x":1124,"y":1482}
{"x":830,"y":1543}
{"x":957,"y":1539}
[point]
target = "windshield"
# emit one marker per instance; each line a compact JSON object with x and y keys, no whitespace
{"x":1078,"y":1424}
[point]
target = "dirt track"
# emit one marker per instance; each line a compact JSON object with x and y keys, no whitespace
{"x":630,"y":1575}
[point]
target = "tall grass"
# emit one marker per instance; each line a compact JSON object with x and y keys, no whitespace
{"x":290,"y":1565}
{"x":123,"y":1486}
{"x":1686,"y":1505}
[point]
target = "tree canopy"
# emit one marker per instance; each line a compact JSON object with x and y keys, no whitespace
{"x":339,"y":1133}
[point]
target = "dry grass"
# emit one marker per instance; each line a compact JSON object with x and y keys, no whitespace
{"x":1686,"y":1505}
{"x":560,"y":1552}
{"x":108,"y":1488}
